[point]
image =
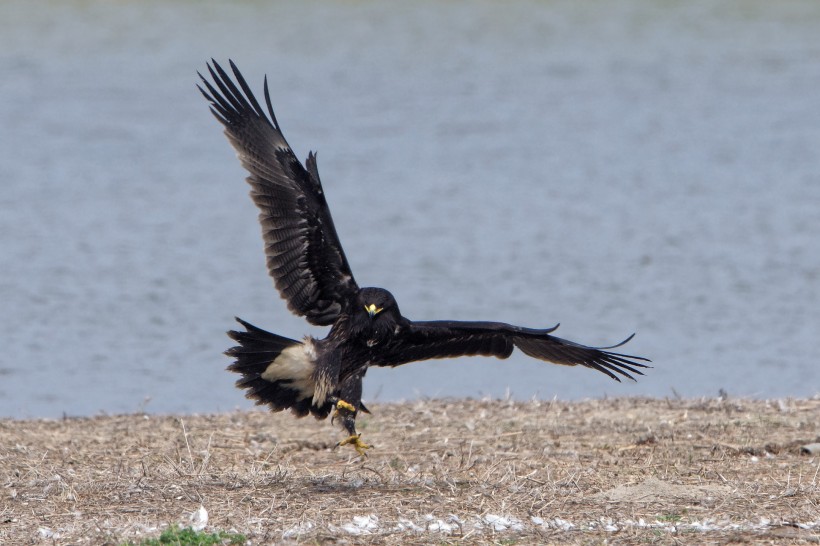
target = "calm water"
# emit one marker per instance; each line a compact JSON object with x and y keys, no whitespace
{"x":613,"y":166}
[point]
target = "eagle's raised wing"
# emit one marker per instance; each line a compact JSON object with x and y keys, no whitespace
{"x":445,"y":339}
{"x":304,"y":255}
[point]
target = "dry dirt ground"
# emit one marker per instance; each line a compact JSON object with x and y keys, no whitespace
{"x":618,"y":471}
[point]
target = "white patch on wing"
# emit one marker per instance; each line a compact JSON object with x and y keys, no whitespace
{"x":295,"y":366}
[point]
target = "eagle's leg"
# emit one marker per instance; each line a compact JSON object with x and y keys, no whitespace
{"x":356,"y":441}
{"x":347,"y":407}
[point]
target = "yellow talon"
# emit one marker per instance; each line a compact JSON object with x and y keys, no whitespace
{"x":341,"y":404}
{"x":356,"y":441}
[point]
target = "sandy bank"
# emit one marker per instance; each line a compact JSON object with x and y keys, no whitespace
{"x":621,"y":470}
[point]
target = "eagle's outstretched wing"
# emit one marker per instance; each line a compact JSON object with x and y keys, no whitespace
{"x":304,"y":255}
{"x":445,"y":339}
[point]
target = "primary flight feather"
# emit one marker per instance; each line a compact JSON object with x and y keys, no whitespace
{"x":311,"y":272}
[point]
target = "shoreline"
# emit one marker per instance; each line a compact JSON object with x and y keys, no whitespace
{"x":621,"y":469}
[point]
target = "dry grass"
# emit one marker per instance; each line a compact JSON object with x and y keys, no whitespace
{"x":496,"y":472}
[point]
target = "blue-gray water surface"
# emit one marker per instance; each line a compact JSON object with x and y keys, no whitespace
{"x":618,"y":167}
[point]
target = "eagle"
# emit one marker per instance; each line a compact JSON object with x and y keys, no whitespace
{"x":309,"y":268}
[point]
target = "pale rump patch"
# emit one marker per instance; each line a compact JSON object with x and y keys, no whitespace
{"x":295,"y":366}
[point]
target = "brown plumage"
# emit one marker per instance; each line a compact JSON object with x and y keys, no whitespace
{"x":311,"y":272}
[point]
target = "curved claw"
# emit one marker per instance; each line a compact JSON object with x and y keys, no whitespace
{"x":356,"y":441}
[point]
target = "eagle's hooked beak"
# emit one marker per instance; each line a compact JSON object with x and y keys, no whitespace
{"x":372,"y":310}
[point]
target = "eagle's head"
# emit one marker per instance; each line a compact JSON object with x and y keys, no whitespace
{"x":376,"y":313}
{"x":378,"y":303}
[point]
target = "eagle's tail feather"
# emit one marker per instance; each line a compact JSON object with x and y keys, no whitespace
{"x":257,"y":349}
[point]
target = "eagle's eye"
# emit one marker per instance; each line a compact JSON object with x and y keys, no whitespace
{"x":372,"y":310}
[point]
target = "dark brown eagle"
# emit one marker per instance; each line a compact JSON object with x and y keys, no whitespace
{"x":308,"y":265}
